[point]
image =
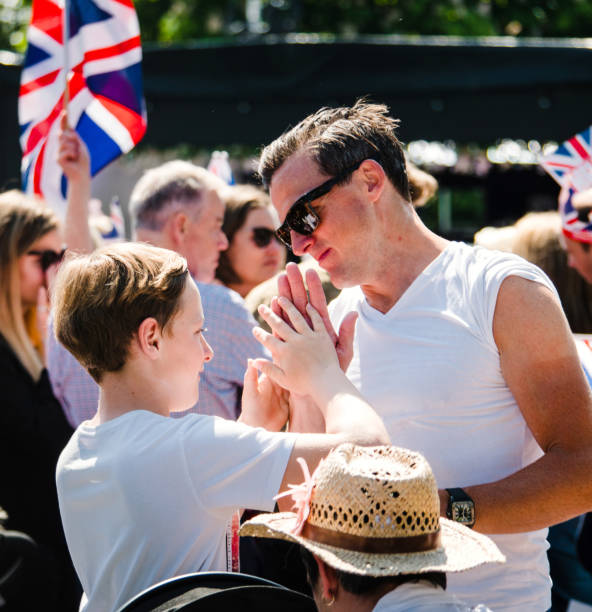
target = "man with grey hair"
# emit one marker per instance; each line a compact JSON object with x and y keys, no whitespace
{"x":177,"y":206}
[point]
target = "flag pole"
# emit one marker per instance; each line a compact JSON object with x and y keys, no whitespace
{"x":66,"y":39}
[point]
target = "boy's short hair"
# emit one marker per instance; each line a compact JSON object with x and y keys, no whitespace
{"x":100,"y":300}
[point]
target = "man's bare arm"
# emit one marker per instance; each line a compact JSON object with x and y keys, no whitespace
{"x":542,"y":369}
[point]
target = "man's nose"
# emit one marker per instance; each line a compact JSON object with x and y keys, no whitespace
{"x":300,"y":243}
{"x":222,"y":241}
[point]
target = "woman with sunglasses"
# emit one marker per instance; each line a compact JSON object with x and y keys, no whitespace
{"x":33,"y":428}
{"x":254,"y":254}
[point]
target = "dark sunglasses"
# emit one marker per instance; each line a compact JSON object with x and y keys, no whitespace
{"x":302,"y":218}
{"x":262,"y":236}
{"x":48,"y":257}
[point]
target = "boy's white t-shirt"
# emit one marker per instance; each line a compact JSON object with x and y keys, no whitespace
{"x":431,"y":369}
{"x":144,"y":498}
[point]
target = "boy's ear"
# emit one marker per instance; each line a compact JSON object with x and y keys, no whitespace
{"x":149,"y":337}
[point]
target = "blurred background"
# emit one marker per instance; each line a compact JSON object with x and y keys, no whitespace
{"x":482,"y":88}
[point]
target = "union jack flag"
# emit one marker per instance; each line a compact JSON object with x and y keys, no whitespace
{"x":106,"y":104}
{"x":573,"y":226}
{"x":571,"y":163}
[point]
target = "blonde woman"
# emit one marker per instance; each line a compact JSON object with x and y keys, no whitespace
{"x":33,"y":428}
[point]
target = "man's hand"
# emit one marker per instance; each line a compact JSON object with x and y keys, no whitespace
{"x":264,"y":404}
{"x":291,"y":286}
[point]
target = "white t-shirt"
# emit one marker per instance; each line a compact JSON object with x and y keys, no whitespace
{"x":431,"y":368}
{"x":144,"y":498}
{"x":422,"y":597}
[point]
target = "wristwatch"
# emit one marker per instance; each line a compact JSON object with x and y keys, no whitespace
{"x":461,"y":507}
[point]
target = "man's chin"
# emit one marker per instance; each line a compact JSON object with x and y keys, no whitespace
{"x":340,"y":281}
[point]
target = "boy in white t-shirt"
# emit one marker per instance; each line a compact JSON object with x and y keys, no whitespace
{"x":143,"y":497}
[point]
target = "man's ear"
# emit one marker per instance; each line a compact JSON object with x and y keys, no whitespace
{"x":148,"y":337}
{"x":329,"y":582}
{"x":375,"y":178}
{"x":178,"y":226}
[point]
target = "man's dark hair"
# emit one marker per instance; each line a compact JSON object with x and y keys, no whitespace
{"x":338,"y":138}
{"x":366,"y":585}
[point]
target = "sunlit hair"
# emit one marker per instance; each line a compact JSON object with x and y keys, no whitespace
{"x":100,"y":300}
{"x":23,"y":221}
{"x":422,"y":186}
{"x":537,"y":237}
{"x":239,"y":201}
{"x":338,"y":138}
{"x":164,"y":190}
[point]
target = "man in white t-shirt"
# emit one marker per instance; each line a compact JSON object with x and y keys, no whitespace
{"x":144,"y":497}
{"x":466,"y":354}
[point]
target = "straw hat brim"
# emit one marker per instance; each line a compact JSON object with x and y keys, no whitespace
{"x":461,"y":549}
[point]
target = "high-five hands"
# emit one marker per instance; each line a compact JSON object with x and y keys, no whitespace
{"x":291,"y":286}
{"x":303,"y":354}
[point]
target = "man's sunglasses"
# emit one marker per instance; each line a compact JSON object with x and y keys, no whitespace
{"x":302,"y":218}
{"x":48,"y":257}
{"x":262,"y":236}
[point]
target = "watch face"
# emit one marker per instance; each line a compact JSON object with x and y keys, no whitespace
{"x":463,"y":512}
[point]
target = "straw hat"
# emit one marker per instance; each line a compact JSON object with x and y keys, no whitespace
{"x":376,"y":512}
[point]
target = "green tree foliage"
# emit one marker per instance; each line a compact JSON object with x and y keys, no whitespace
{"x":182,"y":20}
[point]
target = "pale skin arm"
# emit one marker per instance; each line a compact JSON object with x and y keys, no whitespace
{"x":304,"y":416}
{"x":74,"y":160}
{"x":305,"y":362}
{"x":541,"y":366}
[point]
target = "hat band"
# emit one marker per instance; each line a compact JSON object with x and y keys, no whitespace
{"x":409,"y":544}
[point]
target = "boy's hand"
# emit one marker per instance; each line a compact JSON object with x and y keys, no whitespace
{"x":291,"y":286}
{"x":302,"y":356}
{"x":264,"y":404}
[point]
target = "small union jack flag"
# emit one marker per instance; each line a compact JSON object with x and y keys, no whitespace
{"x":573,"y":225}
{"x":571,"y":163}
{"x":106,"y":104}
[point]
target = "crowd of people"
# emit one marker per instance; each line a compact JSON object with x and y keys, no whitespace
{"x":429,"y":393}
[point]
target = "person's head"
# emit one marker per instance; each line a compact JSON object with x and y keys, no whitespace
{"x":254,"y":253}
{"x":133,"y":301}
{"x":327,"y":175}
{"x":29,"y":245}
{"x":538,"y":238}
{"x":177,"y":206}
{"x":370,"y":517}
{"x":575,"y":210}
